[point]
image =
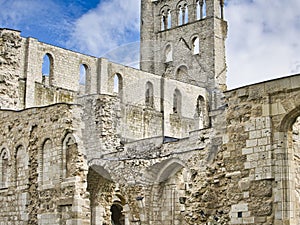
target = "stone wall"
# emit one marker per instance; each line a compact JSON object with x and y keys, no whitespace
{"x":40,"y":187}
{"x":259,"y":118}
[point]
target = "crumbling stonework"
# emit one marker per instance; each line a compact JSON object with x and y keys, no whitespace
{"x":162,"y":145}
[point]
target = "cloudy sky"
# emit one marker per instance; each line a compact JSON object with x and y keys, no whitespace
{"x":263,"y":39}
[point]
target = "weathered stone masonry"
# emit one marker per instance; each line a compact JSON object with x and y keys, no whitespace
{"x":166,"y":144}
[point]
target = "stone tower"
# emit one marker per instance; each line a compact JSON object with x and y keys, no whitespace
{"x":185,"y":40}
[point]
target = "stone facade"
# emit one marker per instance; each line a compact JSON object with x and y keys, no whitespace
{"x":90,"y":141}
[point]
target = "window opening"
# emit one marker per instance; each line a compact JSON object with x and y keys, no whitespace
{"x":186,"y":14}
{"x":117,"y":216}
{"x":169,"y":19}
{"x":46,"y":67}
{"x":168,"y":54}
{"x":149,"y":98}
{"x":177,"y":102}
{"x":3,"y":168}
{"x":164,"y":21}
{"x":200,"y":110}
{"x":180,"y":16}
{"x":198,"y":11}
{"x":196,"y":46}
{"x":181,"y":72}
{"x":203,"y":9}
{"x":82,"y":74}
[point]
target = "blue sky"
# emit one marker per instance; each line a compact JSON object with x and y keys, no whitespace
{"x":263,"y":38}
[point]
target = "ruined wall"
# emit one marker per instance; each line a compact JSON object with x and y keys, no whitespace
{"x":37,"y":188}
{"x":11,"y":80}
{"x":256,"y":149}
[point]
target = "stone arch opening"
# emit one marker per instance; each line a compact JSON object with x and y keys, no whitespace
{"x":118,"y":85}
{"x":287,"y":164}
{"x":149,"y":96}
{"x":181,"y":72}
{"x":21,"y":166}
{"x":168,"y":53}
{"x":182,"y":13}
{"x":196,"y":45}
{"x":47,"y":69}
{"x":117,"y":216}
{"x":4,"y":157}
{"x":170,"y":190}
{"x":70,"y":152}
{"x":84,"y":78}
{"x":177,"y":101}
{"x":100,"y":186}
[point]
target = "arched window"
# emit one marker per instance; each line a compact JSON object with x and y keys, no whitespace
{"x":177,"y":102}
{"x":164,"y":21}
{"x":200,"y":111}
{"x":295,"y":144}
{"x":203,"y":9}
{"x":168,"y":53}
{"x":118,"y":84}
{"x":51,"y":164}
{"x":198,"y":10}
{"x":181,"y":72}
{"x":70,"y":152}
{"x":186,"y":14}
{"x":117,"y":216}
{"x":47,"y":68}
{"x":149,"y":98}
{"x":180,"y":15}
{"x":83,"y":74}
{"x":195,"y":45}
{"x":169,"y":19}
{"x":22,"y":162}
{"x":3,"y":168}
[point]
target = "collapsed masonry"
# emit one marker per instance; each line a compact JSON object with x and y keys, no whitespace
{"x":166,"y":144}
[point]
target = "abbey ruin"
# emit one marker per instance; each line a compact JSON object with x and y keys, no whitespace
{"x":164,"y":145}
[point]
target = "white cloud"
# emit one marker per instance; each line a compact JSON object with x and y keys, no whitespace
{"x":111,"y":24}
{"x":262,"y":40}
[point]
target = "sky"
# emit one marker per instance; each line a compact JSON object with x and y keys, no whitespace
{"x":262,"y":43}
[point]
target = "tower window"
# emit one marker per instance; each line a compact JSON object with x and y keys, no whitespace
{"x":169,"y":19}
{"x":201,"y":9}
{"x":186,"y":14}
{"x":180,"y":16}
{"x":181,"y":72}
{"x":168,"y":54}
{"x":195,"y":46}
{"x":163,"y":21}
